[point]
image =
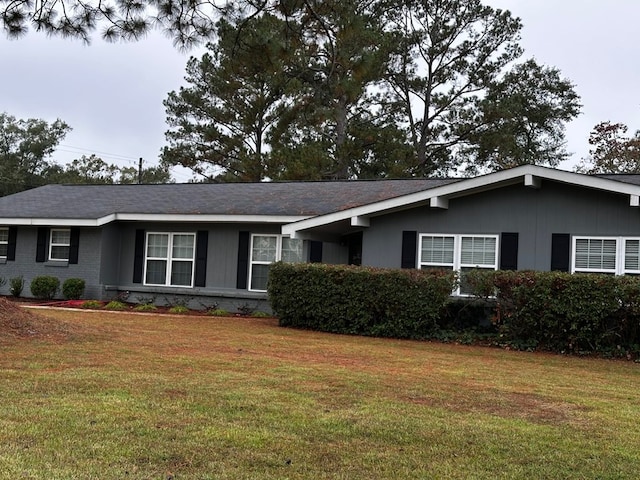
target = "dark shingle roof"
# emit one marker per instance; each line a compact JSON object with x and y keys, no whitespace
{"x":631,"y":178}
{"x":268,"y":198}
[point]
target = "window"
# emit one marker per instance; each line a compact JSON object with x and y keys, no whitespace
{"x":266,"y":249}
{"x":169,"y":259}
{"x":461,"y":253}
{"x":613,"y":255}
{"x":4,"y":242}
{"x":59,"y":245}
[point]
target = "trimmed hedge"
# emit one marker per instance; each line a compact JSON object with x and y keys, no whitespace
{"x":73,"y":288}
{"x":562,"y":312}
{"x":359,"y":300}
{"x":44,"y":287}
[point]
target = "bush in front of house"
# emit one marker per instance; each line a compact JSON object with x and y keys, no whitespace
{"x":562,"y":312}
{"x":44,"y":287}
{"x":359,"y":300}
{"x":116,"y":305}
{"x":73,"y":288}
{"x":16,"y":285}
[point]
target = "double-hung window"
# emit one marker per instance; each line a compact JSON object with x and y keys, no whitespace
{"x":266,"y":249}
{"x":169,"y":259}
{"x":612,"y":255}
{"x":59,"y":245}
{"x":460,"y":253}
{"x":4,"y":242}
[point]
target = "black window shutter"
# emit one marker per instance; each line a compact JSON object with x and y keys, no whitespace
{"x":560,"y":251}
{"x":509,"y":251}
{"x":138,"y":256}
{"x":41,"y":244}
{"x":243,"y":260}
{"x":409,"y":249}
{"x":202,"y":246}
{"x":315,"y":251}
{"x":11,"y":247}
{"x":74,"y":244}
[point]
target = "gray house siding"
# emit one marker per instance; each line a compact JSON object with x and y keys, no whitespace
{"x":535,"y":214}
{"x":25,"y":265}
{"x":221,"y":266}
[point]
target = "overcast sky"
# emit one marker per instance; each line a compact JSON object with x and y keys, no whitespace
{"x":111,"y":94}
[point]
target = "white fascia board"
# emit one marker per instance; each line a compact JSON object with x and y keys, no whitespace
{"x":50,"y":222}
{"x":165,"y":218}
{"x":197,"y":218}
{"x":466,"y":186}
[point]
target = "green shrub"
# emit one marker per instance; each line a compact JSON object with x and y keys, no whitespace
{"x":259,"y":314}
{"x":359,"y":300}
{"x":44,"y":287}
{"x":116,"y":305}
{"x":145,"y":307}
{"x":73,"y":288}
{"x":562,"y":312}
{"x":91,"y":304}
{"x":179,"y":309}
{"x":16,"y":285}
{"x":218,"y":312}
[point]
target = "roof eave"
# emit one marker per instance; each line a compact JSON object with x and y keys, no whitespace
{"x":530,"y":175}
{"x":163,"y":218}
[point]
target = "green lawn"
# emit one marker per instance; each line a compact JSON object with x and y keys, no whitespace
{"x":157,"y":397}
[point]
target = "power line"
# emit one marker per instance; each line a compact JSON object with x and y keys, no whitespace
{"x":88,"y":150}
{"x":178,"y":175}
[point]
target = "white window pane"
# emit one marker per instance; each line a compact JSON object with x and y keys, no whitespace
{"x":291,"y":250}
{"x":4,"y":235}
{"x":156,"y":272}
{"x":60,"y":237}
{"x":437,"y":250}
{"x":595,"y":254}
{"x":264,"y":248}
{"x":183,"y":246}
{"x":259,"y":276}
{"x":478,"y":251}
{"x":632,"y":255}
{"x":157,"y":245}
{"x":59,"y":252}
{"x":181,"y":273}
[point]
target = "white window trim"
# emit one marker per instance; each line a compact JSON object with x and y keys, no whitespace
{"x":5,"y":242}
{"x":169,"y":259}
{"x":457,"y":265}
{"x":620,"y":255}
{"x":51,"y":244}
{"x":253,"y":262}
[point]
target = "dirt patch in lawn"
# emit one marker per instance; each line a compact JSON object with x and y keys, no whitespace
{"x":17,"y":323}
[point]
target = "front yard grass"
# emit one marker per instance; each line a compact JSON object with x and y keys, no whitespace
{"x":157,"y":397}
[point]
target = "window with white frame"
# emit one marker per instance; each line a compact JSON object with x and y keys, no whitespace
{"x":59,"y":244}
{"x":612,"y":255}
{"x":266,"y":249}
{"x":4,"y":242}
{"x":461,"y":253}
{"x":169,"y":259}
